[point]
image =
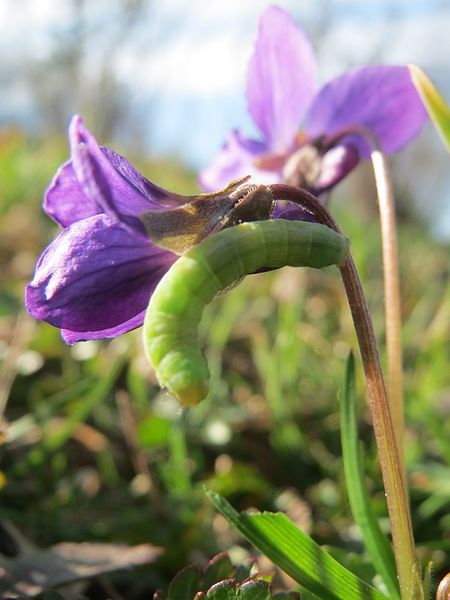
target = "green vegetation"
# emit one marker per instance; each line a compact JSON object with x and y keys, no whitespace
{"x":94,"y":451}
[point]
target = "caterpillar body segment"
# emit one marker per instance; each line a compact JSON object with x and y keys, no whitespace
{"x":176,"y":307}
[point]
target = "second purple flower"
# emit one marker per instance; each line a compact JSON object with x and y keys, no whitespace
{"x":282,"y":93}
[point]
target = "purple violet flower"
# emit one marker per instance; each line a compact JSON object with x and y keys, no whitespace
{"x":281,"y":91}
{"x":95,"y":279}
{"x":121,"y":233}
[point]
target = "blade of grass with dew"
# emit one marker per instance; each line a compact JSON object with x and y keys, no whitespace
{"x":437,"y":107}
{"x":297,"y":554}
{"x":376,"y":542}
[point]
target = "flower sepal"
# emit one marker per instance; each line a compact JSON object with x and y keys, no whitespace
{"x":178,"y":229}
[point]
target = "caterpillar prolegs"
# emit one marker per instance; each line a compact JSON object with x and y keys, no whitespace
{"x":176,"y":307}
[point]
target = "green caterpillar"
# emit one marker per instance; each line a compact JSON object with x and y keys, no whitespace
{"x":176,"y":307}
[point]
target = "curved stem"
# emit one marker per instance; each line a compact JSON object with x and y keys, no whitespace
{"x":388,"y":450}
{"x":392,"y":296}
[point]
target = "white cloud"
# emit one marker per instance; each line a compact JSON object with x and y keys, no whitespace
{"x":188,"y":66}
{"x":203,"y":48}
{"x":399,"y":41}
{"x":24,"y":30}
{"x":206,"y":53}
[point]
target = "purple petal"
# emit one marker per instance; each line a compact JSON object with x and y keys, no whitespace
{"x":95,"y":279}
{"x":291,"y":212}
{"x":335,"y":165}
{"x":234,"y":160}
{"x":71,"y":337}
{"x":281,"y":78}
{"x":157,"y":197}
{"x":65,"y":200}
{"x":383,"y":99}
{"x":109,"y":180}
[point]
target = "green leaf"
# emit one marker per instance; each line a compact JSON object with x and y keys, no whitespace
{"x":185,"y":584}
{"x":256,"y":589}
{"x":224,"y":590}
{"x":437,"y":107}
{"x":219,"y":567}
{"x":376,"y":542}
{"x":297,"y":554}
{"x":428,"y":580}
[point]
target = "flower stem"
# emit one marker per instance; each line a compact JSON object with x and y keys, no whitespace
{"x":388,"y":450}
{"x":392,"y":296}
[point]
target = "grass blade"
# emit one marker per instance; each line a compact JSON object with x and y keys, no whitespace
{"x":437,"y":107}
{"x":87,"y":403}
{"x":297,"y":554}
{"x":375,"y":541}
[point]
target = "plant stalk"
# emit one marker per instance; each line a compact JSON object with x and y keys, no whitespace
{"x":388,"y":450}
{"x":392,"y":296}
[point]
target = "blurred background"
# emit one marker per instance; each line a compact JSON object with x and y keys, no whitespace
{"x":168,"y":78}
{"x":92,"y":450}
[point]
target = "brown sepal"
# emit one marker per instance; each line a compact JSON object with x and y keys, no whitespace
{"x":180,"y":228}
